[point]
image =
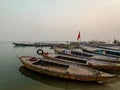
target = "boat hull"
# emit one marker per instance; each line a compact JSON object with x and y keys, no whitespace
{"x":107,"y":68}
{"x":65,"y":75}
{"x":90,"y":55}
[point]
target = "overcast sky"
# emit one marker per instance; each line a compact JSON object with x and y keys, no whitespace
{"x":46,"y":20}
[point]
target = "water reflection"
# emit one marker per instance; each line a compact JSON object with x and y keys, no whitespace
{"x":62,"y":83}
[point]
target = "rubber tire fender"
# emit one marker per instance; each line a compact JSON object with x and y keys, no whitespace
{"x":38,"y":52}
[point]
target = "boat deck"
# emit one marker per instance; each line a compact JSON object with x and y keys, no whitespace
{"x":81,"y":71}
{"x":58,"y":66}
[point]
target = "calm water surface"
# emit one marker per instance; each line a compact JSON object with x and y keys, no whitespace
{"x":14,"y":76}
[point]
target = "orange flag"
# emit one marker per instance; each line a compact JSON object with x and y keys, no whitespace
{"x":78,"y":36}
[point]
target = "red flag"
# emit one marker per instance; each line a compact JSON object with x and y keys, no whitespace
{"x":78,"y":36}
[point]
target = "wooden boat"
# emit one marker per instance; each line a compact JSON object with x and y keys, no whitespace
{"x":109,"y":47}
{"x":23,"y":44}
{"x":92,"y":63}
{"x":67,"y":71}
{"x":71,"y":52}
{"x":79,"y":53}
{"x":60,"y":83}
{"x":105,"y":52}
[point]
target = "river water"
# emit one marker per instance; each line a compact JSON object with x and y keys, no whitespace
{"x":14,"y":76}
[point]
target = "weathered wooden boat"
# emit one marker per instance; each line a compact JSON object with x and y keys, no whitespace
{"x":79,"y":53}
{"x":23,"y":44}
{"x":109,"y":47}
{"x":106,"y":52}
{"x":92,"y":63}
{"x":67,"y":71}
{"x":61,"y":83}
{"x":72,"y":52}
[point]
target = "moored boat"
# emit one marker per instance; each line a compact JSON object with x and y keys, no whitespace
{"x":71,"y":52}
{"x":62,"y":70}
{"x":78,"y":53}
{"x":105,"y":52}
{"x":87,"y":62}
{"x":23,"y":44}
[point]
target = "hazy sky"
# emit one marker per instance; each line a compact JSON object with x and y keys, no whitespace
{"x":46,"y":20}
